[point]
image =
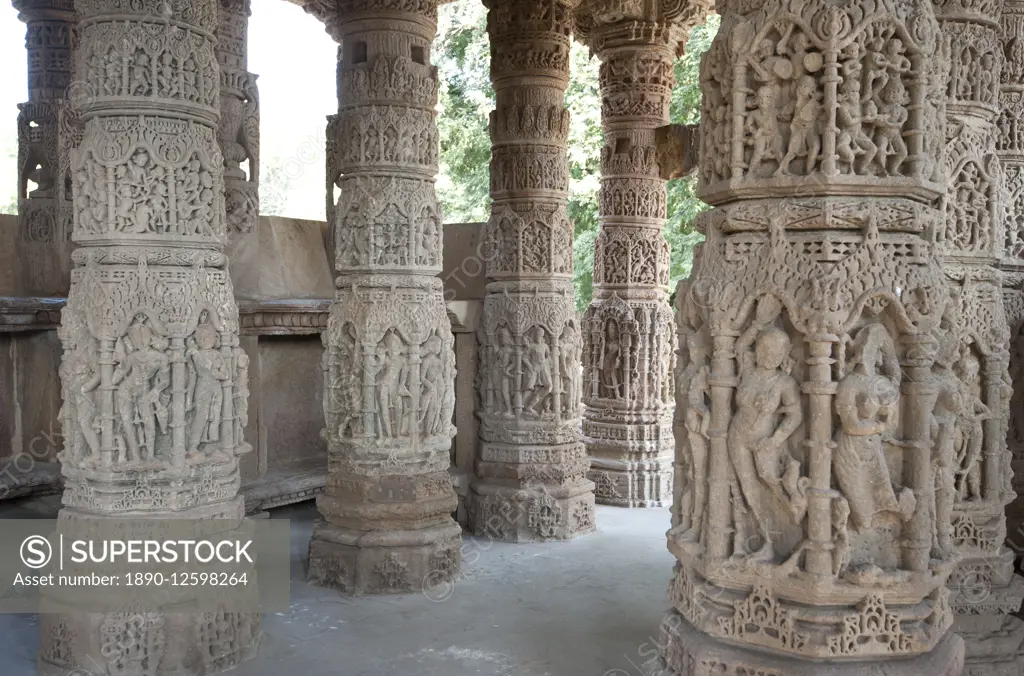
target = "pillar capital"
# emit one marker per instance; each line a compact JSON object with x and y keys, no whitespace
{"x":607,"y":24}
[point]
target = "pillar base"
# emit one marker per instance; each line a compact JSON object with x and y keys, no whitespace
{"x":170,"y":644}
{"x":532,"y":514}
{"x":686,"y":651}
{"x":384,"y":562}
{"x":632,"y":484}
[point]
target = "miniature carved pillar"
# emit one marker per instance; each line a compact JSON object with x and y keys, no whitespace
{"x":815,"y":520}
{"x":532,"y":465}
{"x":389,"y":361}
{"x":239,"y":130}
{"x":154,"y":382}
{"x":976,"y":345}
{"x":628,"y":335}
{"x":47,"y":130}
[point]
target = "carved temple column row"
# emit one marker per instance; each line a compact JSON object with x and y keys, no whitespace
{"x":975,"y":346}
{"x":820,"y":398}
{"x":628,"y":334}
{"x":532,"y":467}
{"x":47,"y":131}
{"x":154,"y":383}
{"x":389,"y":363}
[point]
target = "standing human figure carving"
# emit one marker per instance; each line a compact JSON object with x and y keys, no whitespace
{"x":970,"y":430}
{"x":538,"y":371}
{"x":698,"y":425}
{"x":804,"y":137}
{"x":611,"y":361}
{"x":134,"y":377}
{"x":949,"y":406}
{"x":210,"y":370}
{"x":83,"y":379}
{"x":768,"y":411}
{"x":504,"y":372}
{"x":389,"y":356}
{"x":432,"y":386}
{"x":867,"y":402}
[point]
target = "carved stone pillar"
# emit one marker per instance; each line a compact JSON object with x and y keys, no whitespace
{"x":986,"y":591}
{"x":628,"y":351}
{"x":532,"y":466}
{"x":816,"y":521}
{"x":154,"y":382}
{"x":47,"y":130}
{"x":1010,"y":149}
{"x":239,"y":131}
{"x":389,"y":362}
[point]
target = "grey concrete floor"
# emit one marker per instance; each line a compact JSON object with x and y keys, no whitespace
{"x":589,"y":607}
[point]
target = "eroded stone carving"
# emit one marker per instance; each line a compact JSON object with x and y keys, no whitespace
{"x":812,"y":385}
{"x":531,"y":466}
{"x":154,"y":385}
{"x":389,"y":363}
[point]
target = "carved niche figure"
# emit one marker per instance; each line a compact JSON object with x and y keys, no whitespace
{"x":503,"y":372}
{"x":569,"y":370}
{"x":432,"y":387}
{"x":391,"y":361}
{"x":969,"y":428}
{"x":611,"y":362}
{"x":205,"y":390}
{"x":537,"y":371}
{"x":141,"y":376}
{"x":768,"y":411}
{"x":694,"y":383}
{"x":949,"y":407}
{"x":867,"y":402}
{"x":83,"y":378}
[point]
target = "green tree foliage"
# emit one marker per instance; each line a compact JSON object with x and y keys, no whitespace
{"x":462,"y":56}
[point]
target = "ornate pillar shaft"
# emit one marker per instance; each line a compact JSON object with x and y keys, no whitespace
{"x":1010,"y":148}
{"x":154,"y":382}
{"x":820,"y":414}
{"x":532,"y":466}
{"x":389,"y":357}
{"x":985,"y":589}
{"x":47,"y":131}
{"x":239,"y":130}
{"x":628,"y":335}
